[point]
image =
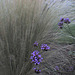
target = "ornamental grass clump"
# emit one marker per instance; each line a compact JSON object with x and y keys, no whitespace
{"x":22,"y":22}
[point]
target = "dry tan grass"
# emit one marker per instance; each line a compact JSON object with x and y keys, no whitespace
{"x":22,"y":22}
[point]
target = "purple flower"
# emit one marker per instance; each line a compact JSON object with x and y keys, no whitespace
{"x":70,"y":68}
{"x":60,"y":23}
{"x":37,"y":70}
{"x":56,"y":68}
{"x":67,"y":21}
{"x":35,"y":44}
{"x":61,"y":19}
{"x":45,"y":47}
{"x":35,"y":53}
{"x":36,"y":58}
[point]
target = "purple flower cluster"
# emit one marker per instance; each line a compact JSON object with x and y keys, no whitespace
{"x":71,"y":68}
{"x":45,"y":47}
{"x":35,"y":44}
{"x":37,"y":70}
{"x":56,"y":68}
{"x":36,"y":58}
{"x":65,"y":68}
{"x":60,"y":25}
{"x":62,"y":21}
{"x":67,"y":21}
